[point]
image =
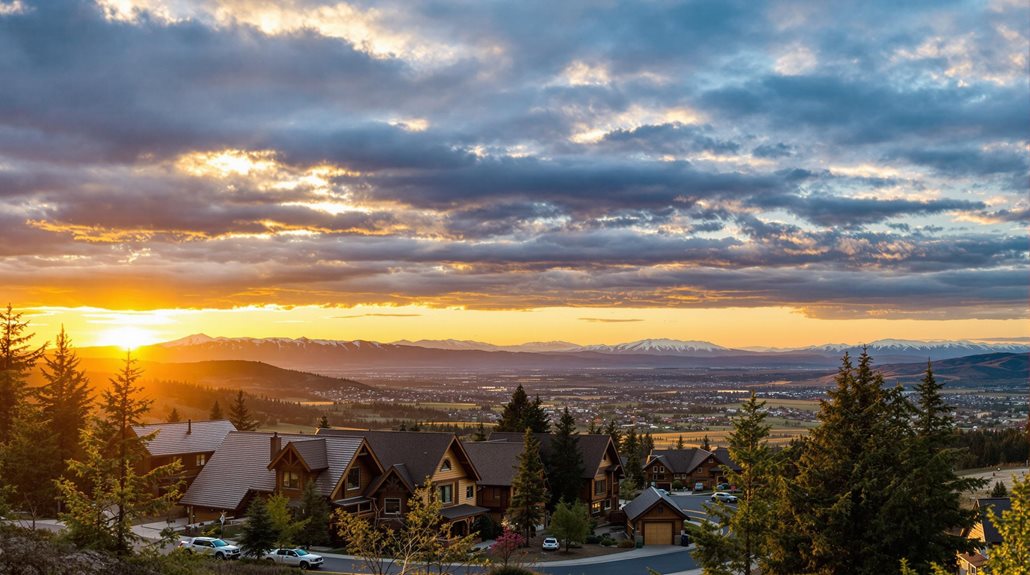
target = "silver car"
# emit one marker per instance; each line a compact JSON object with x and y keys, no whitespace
{"x":295,"y":558}
{"x":723,"y":496}
{"x":210,"y":546}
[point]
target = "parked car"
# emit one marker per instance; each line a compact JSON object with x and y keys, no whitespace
{"x":551,"y":544}
{"x":723,"y":496}
{"x":723,"y":487}
{"x":699,"y":486}
{"x":210,"y":546}
{"x":662,"y":491}
{"x":295,"y":558}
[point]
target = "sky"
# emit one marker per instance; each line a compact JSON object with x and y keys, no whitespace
{"x":749,"y":173}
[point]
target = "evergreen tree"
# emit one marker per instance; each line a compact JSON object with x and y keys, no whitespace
{"x":239,"y":414}
{"x":314,"y":511}
{"x":1012,"y":555}
{"x":216,"y":412}
{"x":679,"y":442}
{"x":705,"y":443}
{"x":259,"y":533}
{"x":566,"y":464}
{"x":173,"y":416}
{"x":64,"y":398}
{"x":646,"y":446}
{"x":513,"y":416}
{"x":612,"y":429}
{"x":323,"y":422}
{"x":737,"y":539}
{"x":527,"y":503}
{"x":110,"y":473}
{"x":634,"y":465}
{"x":570,"y":522}
{"x":536,"y":417}
{"x":480,"y":434}
{"x":999,"y":490}
{"x":17,"y":358}
{"x":30,"y":463}
{"x":592,"y":428}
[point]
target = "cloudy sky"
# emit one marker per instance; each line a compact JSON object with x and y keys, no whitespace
{"x":746,"y":172}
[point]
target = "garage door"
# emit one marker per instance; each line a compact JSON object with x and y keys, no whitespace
{"x":658,"y":533}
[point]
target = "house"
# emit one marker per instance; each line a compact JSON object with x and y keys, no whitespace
{"x":497,"y":462}
{"x":602,"y":467}
{"x":688,"y":466}
{"x":409,"y":458}
{"x":655,"y":518}
{"x":985,"y":532}
{"x":192,"y":443}
{"x":249,"y":463}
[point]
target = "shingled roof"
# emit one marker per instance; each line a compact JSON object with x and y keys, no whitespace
{"x":495,"y":460}
{"x":647,"y":499}
{"x":680,"y":460}
{"x":999,"y":505}
{"x":418,"y":451}
{"x":591,"y":445}
{"x":185,"y":436}
{"x":240,"y":465}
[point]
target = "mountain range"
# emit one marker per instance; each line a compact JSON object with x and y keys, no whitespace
{"x":336,"y":356}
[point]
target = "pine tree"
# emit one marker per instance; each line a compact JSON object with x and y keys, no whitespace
{"x":566,"y":464}
{"x":679,"y":442}
{"x":17,"y":358}
{"x":705,"y":443}
{"x":216,"y":412}
{"x":31,"y":464}
{"x":239,"y":414}
{"x":173,"y":416}
{"x":1012,"y":555}
{"x":646,"y":446}
{"x":64,"y":398}
{"x":738,"y":537}
{"x":513,"y":416}
{"x":134,"y":497}
{"x":530,"y":491}
{"x":323,"y":422}
{"x":536,"y":417}
{"x":314,"y":510}
{"x":634,"y":465}
{"x":259,"y":534}
{"x":999,"y":490}
{"x":612,"y":429}
{"x":480,"y":433}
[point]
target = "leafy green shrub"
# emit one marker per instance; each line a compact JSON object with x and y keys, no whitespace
{"x":607,"y":540}
{"x":677,"y":485}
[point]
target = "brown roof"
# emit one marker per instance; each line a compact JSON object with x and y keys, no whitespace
{"x":680,"y":460}
{"x":723,"y":455}
{"x":495,"y":460}
{"x":591,"y":445}
{"x":313,"y":453}
{"x":648,"y":499}
{"x":173,"y":439}
{"x":418,"y":451}
{"x":240,"y":465}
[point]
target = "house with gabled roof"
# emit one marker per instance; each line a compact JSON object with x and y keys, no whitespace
{"x":497,"y":462}
{"x":654,"y":518}
{"x":191,"y":443}
{"x":251,"y":463}
{"x":410,"y":459}
{"x":985,"y":533}
{"x":688,"y":466}
{"x":602,"y":467}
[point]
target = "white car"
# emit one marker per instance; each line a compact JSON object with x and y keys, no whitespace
{"x":210,"y":546}
{"x":551,"y":544}
{"x":723,"y":496}
{"x":295,"y":558}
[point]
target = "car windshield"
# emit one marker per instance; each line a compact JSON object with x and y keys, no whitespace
{"x":300,"y":552}
{"x":219,"y":543}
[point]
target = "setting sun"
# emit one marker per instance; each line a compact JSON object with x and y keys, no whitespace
{"x":126,"y":337}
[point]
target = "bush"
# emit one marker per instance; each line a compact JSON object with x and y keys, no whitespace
{"x":627,"y":544}
{"x":677,"y":485}
{"x":592,"y":540}
{"x":607,"y":540}
{"x":510,"y":570}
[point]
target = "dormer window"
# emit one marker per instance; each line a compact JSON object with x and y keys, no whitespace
{"x":291,"y":480}
{"x":354,"y":479}
{"x":446,"y":465}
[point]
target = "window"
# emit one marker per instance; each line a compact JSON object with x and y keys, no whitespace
{"x":291,"y":480}
{"x":354,"y":479}
{"x":470,"y":491}
{"x":656,"y":469}
{"x":392,"y":506}
{"x":446,"y":465}
{"x":447,"y":493}
{"x":607,"y":503}
{"x":595,"y":507}
{"x":201,"y":459}
{"x":600,"y":487}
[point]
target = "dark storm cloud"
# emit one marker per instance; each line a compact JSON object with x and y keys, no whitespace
{"x":460,"y":177}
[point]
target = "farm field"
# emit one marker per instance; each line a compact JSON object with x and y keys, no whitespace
{"x":720,"y":437}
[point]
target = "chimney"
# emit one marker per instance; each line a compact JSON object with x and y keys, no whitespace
{"x":276,"y":445}
{"x":189,"y":426}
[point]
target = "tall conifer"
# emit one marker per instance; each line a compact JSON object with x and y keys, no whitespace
{"x":239,"y":414}
{"x":17,"y":358}
{"x":566,"y":465}
{"x":64,"y":398}
{"x":530,"y":491}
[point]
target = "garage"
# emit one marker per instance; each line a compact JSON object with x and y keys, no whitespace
{"x":653,"y":518}
{"x":658,"y":533}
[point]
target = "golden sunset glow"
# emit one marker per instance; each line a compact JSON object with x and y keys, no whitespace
{"x":126,"y":337}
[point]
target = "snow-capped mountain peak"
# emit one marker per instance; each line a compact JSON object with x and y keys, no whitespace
{"x":659,"y":345}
